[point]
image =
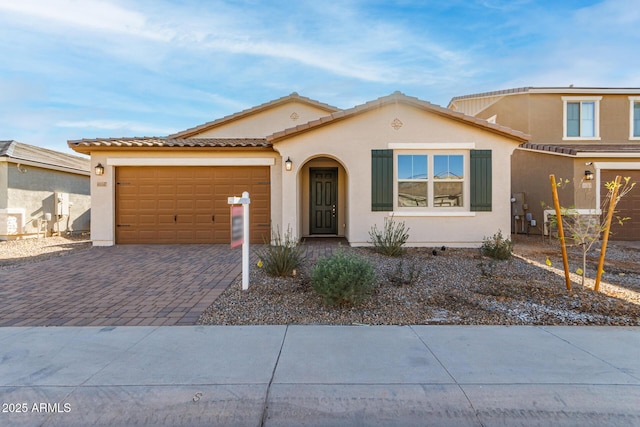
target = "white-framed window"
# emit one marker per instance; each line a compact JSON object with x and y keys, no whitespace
{"x":448,"y":180}
{"x":413,"y":180}
{"x":634,"y":117}
{"x":434,"y":180}
{"x":581,"y":118}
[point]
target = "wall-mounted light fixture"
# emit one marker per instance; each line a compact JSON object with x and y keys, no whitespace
{"x":588,"y":175}
{"x":99,"y":169}
{"x":288,"y":164}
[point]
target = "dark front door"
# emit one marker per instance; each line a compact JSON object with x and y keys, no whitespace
{"x":324,"y":201}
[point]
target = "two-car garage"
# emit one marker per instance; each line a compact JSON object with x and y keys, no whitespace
{"x":187,"y":204}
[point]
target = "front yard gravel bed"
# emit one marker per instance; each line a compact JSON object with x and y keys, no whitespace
{"x":457,"y":286}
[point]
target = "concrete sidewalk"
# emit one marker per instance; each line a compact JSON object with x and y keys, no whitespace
{"x":320,"y":375}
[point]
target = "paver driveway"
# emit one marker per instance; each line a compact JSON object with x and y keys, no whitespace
{"x":118,"y":286}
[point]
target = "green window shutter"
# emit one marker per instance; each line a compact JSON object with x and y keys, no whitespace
{"x":481,"y":180}
{"x":382,"y":180}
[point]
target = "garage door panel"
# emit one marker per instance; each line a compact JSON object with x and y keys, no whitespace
{"x":204,"y":205}
{"x":184,"y":189}
{"x":150,"y":200}
{"x":160,"y":189}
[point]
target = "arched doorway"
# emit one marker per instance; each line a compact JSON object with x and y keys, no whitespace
{"x":324,"y":198}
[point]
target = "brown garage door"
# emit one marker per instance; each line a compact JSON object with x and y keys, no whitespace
{"x":629,"y":205}
{"x":188,"y":204}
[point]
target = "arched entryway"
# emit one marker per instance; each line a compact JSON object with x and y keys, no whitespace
{"x":323,"y":189}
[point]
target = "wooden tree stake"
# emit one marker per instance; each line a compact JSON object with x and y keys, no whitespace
{"x":605,"y":236}
{"x":556,"y":205}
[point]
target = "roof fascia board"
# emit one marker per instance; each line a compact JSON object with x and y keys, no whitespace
{"x":45,"y":166}
{"x":190,"y":161}
{"x":587,"y":154}
{"x":547,"y":152}
{"x":91,"y":149}
{"x":585,"y":90}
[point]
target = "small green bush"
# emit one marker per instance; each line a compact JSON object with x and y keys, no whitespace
{"x":391,"y":238}
{"x":343,"y":278}
{"x":497,"y":247}
{"x":281,"y":256}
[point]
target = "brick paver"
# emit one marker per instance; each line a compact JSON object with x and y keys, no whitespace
{"x":126,"y":285}
{"x":129,"y":285}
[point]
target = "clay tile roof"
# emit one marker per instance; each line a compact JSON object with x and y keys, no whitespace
{"x":253,"y":110}
{"x":400,"y":97}
{"x":18,"y":151}
{"x":85,"y":145}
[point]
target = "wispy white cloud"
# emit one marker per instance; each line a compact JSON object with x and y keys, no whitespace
{"x":113,"y":125}
{"x":91,"y":15}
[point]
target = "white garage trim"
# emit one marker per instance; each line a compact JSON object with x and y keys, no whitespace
{"x":192,"y":161}
{"x":617,"y":165}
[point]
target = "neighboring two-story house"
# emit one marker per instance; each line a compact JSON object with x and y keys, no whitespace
{"x":586,"y":135}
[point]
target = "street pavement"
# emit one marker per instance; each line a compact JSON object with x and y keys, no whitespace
{"x":320,"y":376}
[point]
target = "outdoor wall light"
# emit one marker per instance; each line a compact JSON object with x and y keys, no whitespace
{"x":99,"y":169}
{"x":288,"y":164}
{"x":588,"y":175}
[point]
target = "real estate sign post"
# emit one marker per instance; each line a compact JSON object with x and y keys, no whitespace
{"x":240,"y":231}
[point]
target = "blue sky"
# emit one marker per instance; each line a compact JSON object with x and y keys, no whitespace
{"x":76,"y":69}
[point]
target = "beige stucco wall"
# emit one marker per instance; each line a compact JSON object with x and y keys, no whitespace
{"x":532,"y":178}
{"x":4,"y":179}
{"x":510,"y":111}
{"x":352,"y":140}
{"x":266,"y":122}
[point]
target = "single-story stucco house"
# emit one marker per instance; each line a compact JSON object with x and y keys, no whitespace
{"x":311,"y":168}
{"x":42,"y":191}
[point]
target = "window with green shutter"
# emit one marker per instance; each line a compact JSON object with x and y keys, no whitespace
{"x":382,"y":180}
{"x":481,"y":180}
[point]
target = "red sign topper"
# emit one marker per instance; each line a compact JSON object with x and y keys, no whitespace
{"x":237,"y":219}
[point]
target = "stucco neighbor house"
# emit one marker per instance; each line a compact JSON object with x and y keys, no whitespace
{"x":311,"y":168}
{"x":584,"y":134}
{"x":42,"y":191}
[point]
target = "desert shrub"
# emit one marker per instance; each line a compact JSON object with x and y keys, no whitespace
{"x":497,"y":247}
{"x":282,"y":255}
{"x":343,"y":278}
{"x":404,"y":276}
{"x":391,"y":238}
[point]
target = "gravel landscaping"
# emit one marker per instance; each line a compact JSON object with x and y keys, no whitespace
{"x":16,"y":252}
{"x":455,"y":286}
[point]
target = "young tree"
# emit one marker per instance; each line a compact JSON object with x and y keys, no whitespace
{"x":585,"y":230}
